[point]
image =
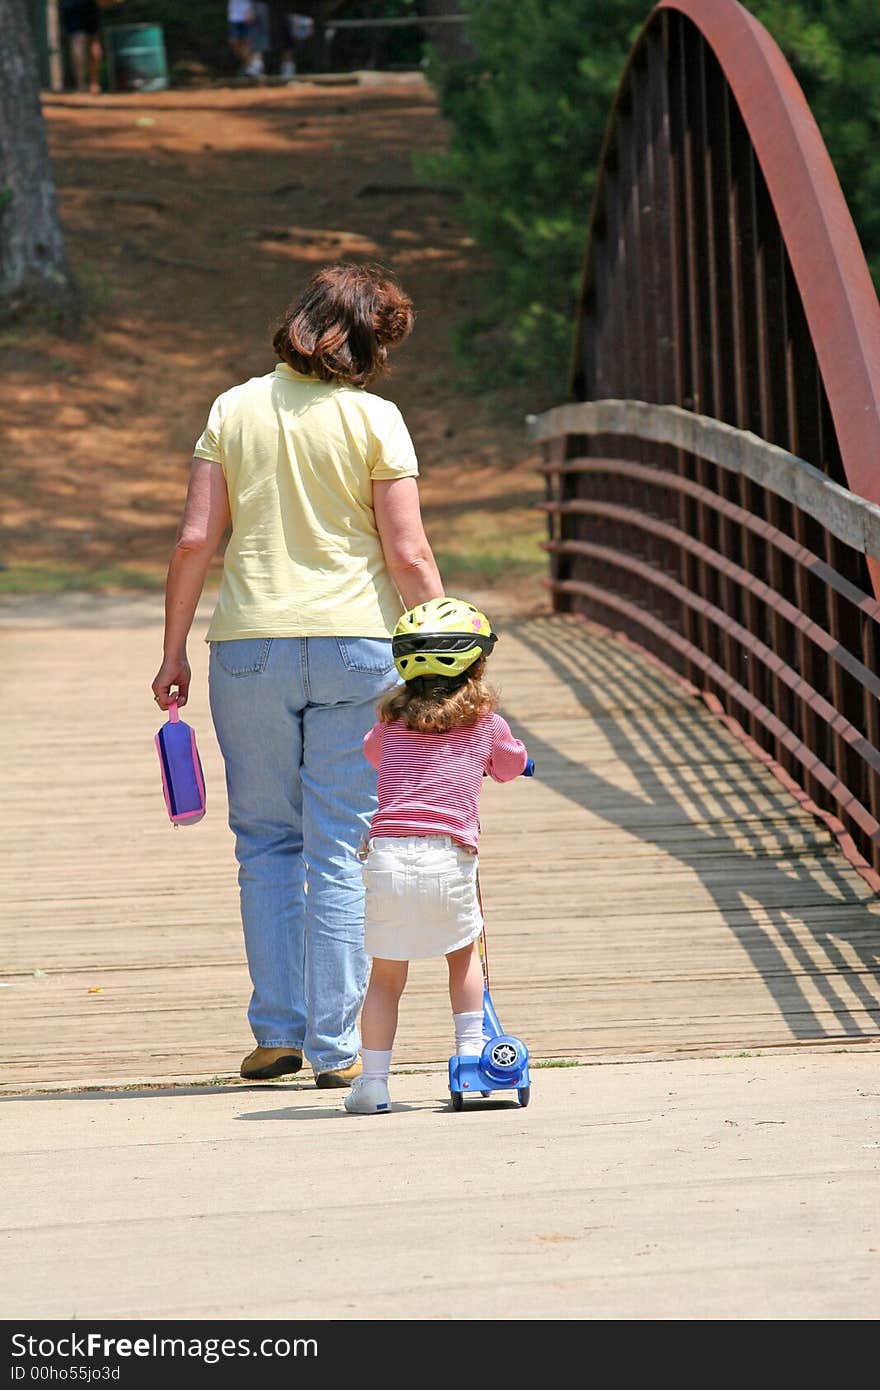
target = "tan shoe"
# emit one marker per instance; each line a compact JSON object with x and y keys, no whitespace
{"x":327,"y":1079}
{"x":264,"y":1063}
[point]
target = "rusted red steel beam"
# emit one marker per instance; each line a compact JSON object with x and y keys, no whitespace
{"x":811,"y":698}
{"x":746,"y":582}
{"x":826,"y":256}
{"x":785,"y":737}
{"x":757,"y":526}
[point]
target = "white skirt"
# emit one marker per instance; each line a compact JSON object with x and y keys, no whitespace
{"x":421,"y":897}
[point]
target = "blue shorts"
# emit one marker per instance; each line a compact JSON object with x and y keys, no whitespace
{"x":80,"y":17}
{"x":239,"y":30}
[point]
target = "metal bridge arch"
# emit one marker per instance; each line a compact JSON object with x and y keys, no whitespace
{"x":714,"y":494}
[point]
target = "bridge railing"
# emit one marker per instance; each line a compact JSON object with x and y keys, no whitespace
{"x":715,"y":551}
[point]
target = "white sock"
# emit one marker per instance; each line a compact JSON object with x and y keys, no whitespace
{"x":375,"y":1063}
{"x":468,"y":1034}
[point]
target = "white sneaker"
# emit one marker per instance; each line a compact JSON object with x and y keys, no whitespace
{"x":368,"y":1096}
{"x":287,"y":70}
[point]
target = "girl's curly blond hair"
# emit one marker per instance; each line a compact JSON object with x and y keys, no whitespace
{"x":435,"y":704}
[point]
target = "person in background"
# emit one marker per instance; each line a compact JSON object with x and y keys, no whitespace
{"x":259,"y":40}
{"x":82,"y":25}
{"x":302,"y":35}
{"x":290,"y":33}
{"x":319,"y":479}
{"x":240,"y":19}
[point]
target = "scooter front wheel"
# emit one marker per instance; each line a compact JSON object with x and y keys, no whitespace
{"x":457,"y":1100}
{"x":504,"y":1059}
{"x":524,"y":1094}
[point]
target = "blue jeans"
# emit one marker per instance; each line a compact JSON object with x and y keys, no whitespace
{"x":290,"y":715}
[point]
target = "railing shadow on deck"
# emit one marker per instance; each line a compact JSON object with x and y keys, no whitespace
{"x":592,"y":664}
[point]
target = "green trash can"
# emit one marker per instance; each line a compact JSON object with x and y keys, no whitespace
{"x":136,"y":59}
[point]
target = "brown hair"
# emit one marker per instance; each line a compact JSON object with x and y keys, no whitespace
{"x":343,"y":323}
{"x":435,"y":704}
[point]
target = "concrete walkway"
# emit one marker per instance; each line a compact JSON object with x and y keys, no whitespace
{"x":741,"y":1188}
{"x":691,"y":960}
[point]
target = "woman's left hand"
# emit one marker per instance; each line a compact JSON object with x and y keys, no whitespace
{"x":172,"y":673}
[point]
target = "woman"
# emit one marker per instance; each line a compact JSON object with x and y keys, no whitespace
{"x":318,"y":477}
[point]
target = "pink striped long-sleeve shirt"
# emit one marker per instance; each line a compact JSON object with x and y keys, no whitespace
{"x":430,"y":784}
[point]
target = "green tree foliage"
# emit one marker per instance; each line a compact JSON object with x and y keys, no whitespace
{"x":526,"y":113}
{"x":834,"y":49}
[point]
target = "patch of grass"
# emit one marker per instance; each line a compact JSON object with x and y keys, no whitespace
{"x":487,"y":544}
{"x":486,"y":567}
{"x":57,"y":579}
{"x":555,"y":1062}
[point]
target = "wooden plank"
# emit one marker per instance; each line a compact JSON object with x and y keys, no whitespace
{"x":653,"y":892}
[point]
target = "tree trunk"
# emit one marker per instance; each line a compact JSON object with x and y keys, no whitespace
{"x":33,"y":265}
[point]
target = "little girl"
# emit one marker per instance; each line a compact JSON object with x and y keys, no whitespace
{"x":437,"y":736}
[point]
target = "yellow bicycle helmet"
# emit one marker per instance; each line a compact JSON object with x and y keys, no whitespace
{"x":442,"y":637}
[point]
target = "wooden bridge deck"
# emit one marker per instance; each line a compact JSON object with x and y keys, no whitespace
{"x":654,"y":891}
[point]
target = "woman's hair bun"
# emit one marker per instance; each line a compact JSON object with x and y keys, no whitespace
{"x":343,"y":323}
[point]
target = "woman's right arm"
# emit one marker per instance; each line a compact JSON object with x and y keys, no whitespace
{"x":405,"y":546}
{"x":205,"y":518}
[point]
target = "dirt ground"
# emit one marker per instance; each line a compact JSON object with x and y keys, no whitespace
{"x":192,"y":217}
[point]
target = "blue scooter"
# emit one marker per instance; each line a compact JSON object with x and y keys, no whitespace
{"x":503,"y":1064}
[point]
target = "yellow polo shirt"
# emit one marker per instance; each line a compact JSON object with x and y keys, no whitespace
{"x":300,"y":457}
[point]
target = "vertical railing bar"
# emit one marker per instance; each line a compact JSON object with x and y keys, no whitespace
{"x":628,"y":128}
{"x":639,"y":259}
{"x":673,"y":118}
{"x":660,"y":282}
{"x":720,"y":647}
{"x":806,"y":724}
{"x":871,"y":718}
{"x":665,"y":198}
{"x":691,"y":465}
{"x":554,"y":455}
{"x":706,"y":473}
{"x":621,"y":347}
{"x":690,"y":235}
{"x":773,"y":560}
{"x":718,"y":393}
{"x":730,"y":535}
{"x":626,"y":197}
